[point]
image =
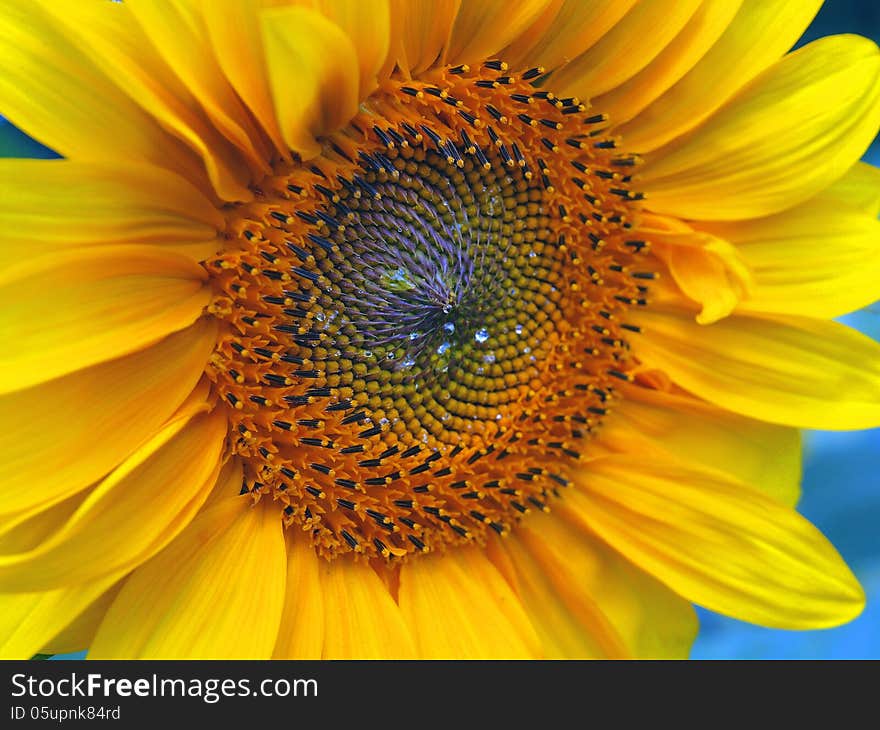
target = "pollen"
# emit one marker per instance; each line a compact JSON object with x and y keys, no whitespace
{"x":423,"y":327}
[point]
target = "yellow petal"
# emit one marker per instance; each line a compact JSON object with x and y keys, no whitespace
{"x":301,"y":634}
{"x":30,"y":621}
{"x":859,"y":187}
{"x":25,"y":530}
{"x":368,"y":27}
{"x":684,"y":51}
{"x":799,"y":126}
{"x":758,"y":36}
{"x":706,"y":268}
{"x":420,"y":30}
{"x":458,"y":606}
{"x":569,"y":624}
{"x":717,"y":542}
{"x":234,"y":31}
{"x":42,"y":208}
{"x":132,"y":514}
{"x":229,"y":482}
{"x":112,"y":38}
{"x":55,"y":93}
{"x":216,"y":592}
{"x":483,"y":27}
{"x":681,"y":427}
{"x":310,"y":61}
{"x":625,"y":49}
{"x":81,"y":426}
{"x":819,"y":259}
{"x":565,"y":31}
{"x":81,"y":307}
{"x":600,"y":604}
{"x":789,"y":370}
{"x":179,"y":32}
{"x":79,"y":633}
{"x":361,"y":619}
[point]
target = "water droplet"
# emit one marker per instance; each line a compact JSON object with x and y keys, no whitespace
{"x":518,"y":329}
{"x":481,"y":335}
{"x":527,"y":350}
{"x":443,"y":348}
{"x":449,"y":327}
{"x":447,"y":308}
{"x":532,"y":254}
{"x":408,"y":361}
{"x":320,"y":316}
{"x":414,"y":336}
{"x":490,"y":358}
{"x":368,"y":353}
{"x":391,"y":355}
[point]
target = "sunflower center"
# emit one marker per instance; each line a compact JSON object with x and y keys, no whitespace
{"x":423,"y":326}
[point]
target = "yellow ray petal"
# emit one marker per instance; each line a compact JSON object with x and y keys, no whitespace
{"x":458,"y":606}
{"x":684,"y":51}
{"x":55,"y":93}
{"x":758,"y":36}
{"x":361,"y":619}
{"x":216,"y":592}
{"x":819,"y":259}
{"x":789,"y":370}
{"x":679,"y":426}
{"x":116,"y":43}
{"x":82,"y":307}
{"x":483,"y":27}
{"x":179,"y":32}
{"x":625,"y":49}
{"x":717,"y":542}
{"x":229,"y":482}
{"x":706,"y":268}
{"x":420,"y":30}
{"x":132,"y":514}
{"x":368,"y":27}
{"x":569,"y":624}
{"x":605,"y":601}
{"x":859,"y":187}
{"x":29,"y":622}
{"x":566,"y":30}
{"x":310,"y":61}
{"x":476,"y":563}
{"x":100,"y":414}
{"x":301,"y":634}
{"x":234,"y":32}
{"x":799,"y":126}
{"x":23,"y":531}
{"x":42,"y":208}
{"x":79,"y":633}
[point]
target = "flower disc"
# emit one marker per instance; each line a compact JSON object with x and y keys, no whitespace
{"x":425,"y":323}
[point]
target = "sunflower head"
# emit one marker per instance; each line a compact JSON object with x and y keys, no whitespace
{"x":345,"y":296}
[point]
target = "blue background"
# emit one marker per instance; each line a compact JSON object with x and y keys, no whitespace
{"x":841,"y":489}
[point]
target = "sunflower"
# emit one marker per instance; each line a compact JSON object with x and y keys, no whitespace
{"x":434,"y":329}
